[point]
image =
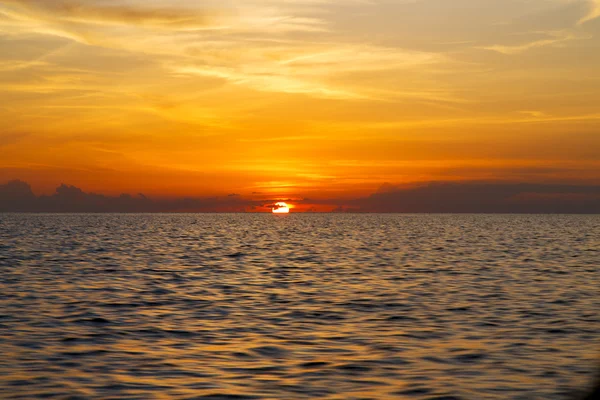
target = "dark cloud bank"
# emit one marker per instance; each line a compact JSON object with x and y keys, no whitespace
{"x":442,"y":197}
{"x":16,"y":196}
{"x":446,"y":197}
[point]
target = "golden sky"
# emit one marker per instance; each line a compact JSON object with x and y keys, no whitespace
{"x":319,"y":98}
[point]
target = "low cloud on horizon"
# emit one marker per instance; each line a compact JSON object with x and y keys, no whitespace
{"x":433,"y":197}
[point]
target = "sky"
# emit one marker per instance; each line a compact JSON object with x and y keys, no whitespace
{"x":296,"y":99}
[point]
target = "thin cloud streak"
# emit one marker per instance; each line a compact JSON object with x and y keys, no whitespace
{"x":557,"y":39}
{"x":307,"y":71}
{"x":594,"y":12}
{"x":101,"y":13}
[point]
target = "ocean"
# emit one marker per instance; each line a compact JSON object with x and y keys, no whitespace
{"x":332,"y":306}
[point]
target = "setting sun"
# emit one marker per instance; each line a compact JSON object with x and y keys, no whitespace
{"x":281,"y":208}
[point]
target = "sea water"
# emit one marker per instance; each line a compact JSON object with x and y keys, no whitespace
{"x":245,"y":306}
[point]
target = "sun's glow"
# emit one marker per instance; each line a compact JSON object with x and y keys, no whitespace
{"x":281,"y":208}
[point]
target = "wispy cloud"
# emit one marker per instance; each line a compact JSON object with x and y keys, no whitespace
{"x":534,"y":114}
{"x":268,"y":82}
{"x":555,"y":38}
{"x":98,"y":22}
{"x":307,"y":70}
{"x":102,"y":13}
{"x":593,"y":13}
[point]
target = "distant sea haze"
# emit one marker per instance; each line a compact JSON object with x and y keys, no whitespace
{"x":435,"y":197}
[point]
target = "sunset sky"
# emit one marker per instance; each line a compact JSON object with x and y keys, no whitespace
{"x":297,"y":98}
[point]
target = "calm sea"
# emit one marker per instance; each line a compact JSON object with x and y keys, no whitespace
{"x":248,"y":306}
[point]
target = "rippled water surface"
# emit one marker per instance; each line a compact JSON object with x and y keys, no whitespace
{"x":301,"y":306}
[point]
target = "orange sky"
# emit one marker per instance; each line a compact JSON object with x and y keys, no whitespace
{"x":305,"y":98}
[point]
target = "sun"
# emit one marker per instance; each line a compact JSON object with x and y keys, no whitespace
{"x":281,"y":208}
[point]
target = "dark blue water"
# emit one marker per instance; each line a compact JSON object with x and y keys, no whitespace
{"x":300,"y":306}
